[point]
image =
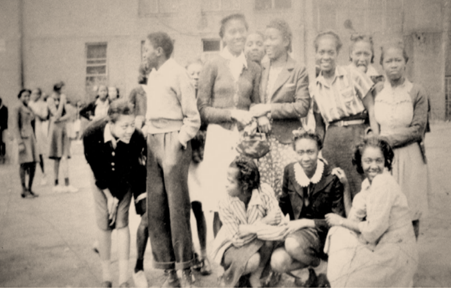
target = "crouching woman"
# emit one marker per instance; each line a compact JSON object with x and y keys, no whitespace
{"x":114,"y":149}
{"x":248,"y":210}
{"x":310,"y":191}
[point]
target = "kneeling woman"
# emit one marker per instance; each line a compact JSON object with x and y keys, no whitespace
{"x":375,"y":246}
{"x":310,"y":191}
{"x":246,"y":210}
{"x":114,"y":149}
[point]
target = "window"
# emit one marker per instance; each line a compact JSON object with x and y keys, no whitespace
{"x":149,"y":7}
{"x":210,"y":47}
{"x":220,"y":5}
{"x":96,"y":66}
{"x":272,"y":4}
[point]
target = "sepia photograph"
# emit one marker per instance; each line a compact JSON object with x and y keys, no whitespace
{"x":225,"y":143}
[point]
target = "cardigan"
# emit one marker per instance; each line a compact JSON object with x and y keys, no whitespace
{"x":116,"y":169}
{"x":326,"y":197}
{"x":290,"y":99}
{"x":219,"y":93}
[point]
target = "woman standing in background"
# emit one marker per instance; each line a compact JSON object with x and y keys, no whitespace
{"x":401,"y":110}
{"x":28,"y":150}
{"x":59,"y":142}
{"x":41,"y":111}
{"x":254,"y":48}
{"x":341,"y":96}
{"x":284,"y":99}
{"x":228,"y":86}
{"x":98,"y":108}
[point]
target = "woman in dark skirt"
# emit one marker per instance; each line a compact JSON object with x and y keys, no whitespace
{"x":28,"y":150}
{"x":342,"y":101}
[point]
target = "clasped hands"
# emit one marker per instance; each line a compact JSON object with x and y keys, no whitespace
{"x":258,"y":111}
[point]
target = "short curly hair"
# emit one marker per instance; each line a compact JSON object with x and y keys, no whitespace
{"x":162,"y":39}
{"x":303,"y":134}
{"x":373,"y":141}
{"x":249,"y":176}
{"x":329,"y":33}
{"x":398,"y":44}
{"x":364,"y":38}
{"x":119,"y":107}
{"x":23,"y":91}
{"x":284,"y":29}
{"x":225,"y":20}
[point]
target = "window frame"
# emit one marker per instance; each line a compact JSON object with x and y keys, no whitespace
{"x":103,"y":76}
{"x":273,"y":7}
{"x":220,"y":9}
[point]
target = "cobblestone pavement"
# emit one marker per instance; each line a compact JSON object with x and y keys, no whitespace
{"x":48,"y":241}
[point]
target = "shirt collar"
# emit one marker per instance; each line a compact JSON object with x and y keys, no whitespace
{"x":372,"y":71}
{"x":255,"y":199}
{"x":166,"y":67}
{"x":339,"y":72}
{"x":107,"y":136}
{"x":227,"y":55}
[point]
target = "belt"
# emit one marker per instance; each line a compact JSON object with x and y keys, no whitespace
{"x":347,"y":123}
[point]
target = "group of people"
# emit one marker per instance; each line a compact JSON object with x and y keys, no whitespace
{"x":349,"y":196}
{"x":45,"y":125}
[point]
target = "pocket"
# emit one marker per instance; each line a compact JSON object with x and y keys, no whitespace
{"x":348,"y":94}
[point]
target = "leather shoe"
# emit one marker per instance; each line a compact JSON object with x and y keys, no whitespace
{"x":171,"y":279}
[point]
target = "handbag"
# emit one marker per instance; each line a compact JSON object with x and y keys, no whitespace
{"x":253,"y":144}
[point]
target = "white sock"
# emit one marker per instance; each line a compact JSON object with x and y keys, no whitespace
{"x":123,"y":271}
{"x":106,"y":270}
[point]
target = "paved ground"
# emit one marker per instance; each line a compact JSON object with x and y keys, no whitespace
{"x":48,"y":241}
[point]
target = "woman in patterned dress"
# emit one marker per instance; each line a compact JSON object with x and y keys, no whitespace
{"x":284,"y":99}
{"x":401,"y":110}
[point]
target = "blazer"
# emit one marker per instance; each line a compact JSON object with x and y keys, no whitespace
{"x":117,"y":169}
{"x":326,"y":197}
{"x":218,"y":94}
{"x":22,"y":128}
{"x":290,"y":100}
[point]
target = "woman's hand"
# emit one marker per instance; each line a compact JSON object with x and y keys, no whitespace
{"x":260,"y":110}
{"x":273,"y":218}
{"x":244,"y":117}
{"x":298,"y":224}
{"x":112,"y":203}
{"x":334,"y":219}
{"x":341,"y":175}
{"x":264,"y":124}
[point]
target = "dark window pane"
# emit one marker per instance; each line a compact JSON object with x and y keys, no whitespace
{"x":102,"y":61}
{"x":96,"y":70}
{"x":211,"y":45}
{"x":282,"y":4}
{"x":262,"y":4}
{"x":96,"y":51}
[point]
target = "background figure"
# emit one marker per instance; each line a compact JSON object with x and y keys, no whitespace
{"x":59,"y":142}
{"x":342,"y":98}
{"x":3,"y":128}
{"x":138,"y":97}
{"x":284,"y":99}
{"x":28,"y":150}
{"x":113,"y":93}
{"x":114,"y":150}
{"x":401,"y":110}
{"x":98,"y":108}
{"x":254,"y":48}
{"x":195,"y":181}
{"x":361,"y":55}
{"x":41,"y":111}
{"x":228,"y":85}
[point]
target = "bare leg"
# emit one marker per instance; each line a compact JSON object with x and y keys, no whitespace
{"x":282,"y":262}
{"x":123,"y":249}
{"x":104,"y":237}
{"x":201,"y":226}
{"x":265,"y":254}
{"x":41,"y":163}
{"x":217,"y":224}
{"x":22,"y":173}
{"x":31,"y":171}
{"x":56,"y":168}
{"x":141,"y":242}
{"x":416,"y":228}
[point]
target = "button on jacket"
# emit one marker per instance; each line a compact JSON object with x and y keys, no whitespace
{"x":116,"y":168}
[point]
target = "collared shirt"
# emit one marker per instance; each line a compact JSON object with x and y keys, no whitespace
{"x":343,"y":98}
{"x":171,"y":102}
{"x":236,"y":64}
{"x":233,"y":212}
